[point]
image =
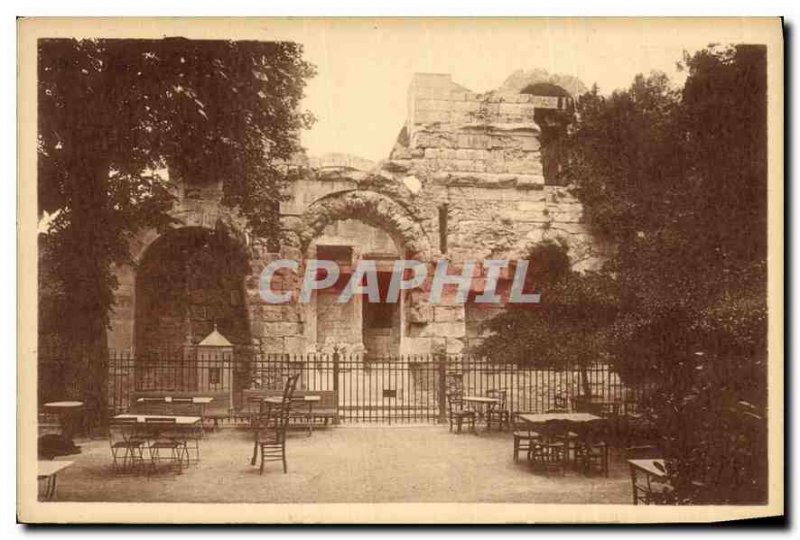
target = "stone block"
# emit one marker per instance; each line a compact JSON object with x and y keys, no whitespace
{"x":448,"y":313}
{"x":454,"y":346}
{"x":444,"y":329}
{"x":282,"y":329}
{"x":411,"y":346}
{"x":433,"y":105}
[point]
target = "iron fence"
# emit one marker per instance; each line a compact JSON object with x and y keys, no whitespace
{"x":395,"y":389}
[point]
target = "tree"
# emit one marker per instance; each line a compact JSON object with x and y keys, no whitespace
{"x":112,"y":113}
{"x":674,"y":180}
{"x":566,"y":329}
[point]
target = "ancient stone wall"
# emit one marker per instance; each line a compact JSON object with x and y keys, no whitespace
{"x":463,"y":182}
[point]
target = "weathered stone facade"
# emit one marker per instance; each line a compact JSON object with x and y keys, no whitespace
{"x":464,"y":182}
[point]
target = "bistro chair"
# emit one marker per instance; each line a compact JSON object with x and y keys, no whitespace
{"x":127,"y":445}
{"x":524,"y":436}
{"x":561,"y":402}
{"x":185,"y":406}
{"x":456,"y":414}
{"x":550,"y":451}
{"x":271,"y":428}
{"x":165,"y":437}
{"x":591,"y":448}
{"x":498,"y":411}
{"x":569,"y":437}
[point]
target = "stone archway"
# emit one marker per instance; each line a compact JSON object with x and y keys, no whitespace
{"x":372,"y":208}
{"x":378,"y":327}
{"x":188,"y":280}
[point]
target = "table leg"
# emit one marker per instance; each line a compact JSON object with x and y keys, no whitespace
{"x":633,"y":486}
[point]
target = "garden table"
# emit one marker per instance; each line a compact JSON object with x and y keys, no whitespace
{"x":64,"y":409}
{"x":179,"y":420}
{"x":47,"y":472}
{"x":310,"y":399}
{"x":481,"y":402}
{"x":564,"y":417}
{"x":652,"y":469}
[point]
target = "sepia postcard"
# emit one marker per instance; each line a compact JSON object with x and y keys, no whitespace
{"x":407,"y":270}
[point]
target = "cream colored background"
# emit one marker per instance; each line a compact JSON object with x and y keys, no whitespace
{"x":560,"y":45}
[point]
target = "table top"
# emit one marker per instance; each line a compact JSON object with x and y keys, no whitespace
{"x":179,"y":420}
{"x":481,"y":399}
{"x":49,"y":468}
{"x":566,"y":417}
{"x":648,"y":466}
{"x":201,"y":399}
{"x":64,"y":404}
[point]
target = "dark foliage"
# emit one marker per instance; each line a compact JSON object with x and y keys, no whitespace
{"x":675,"y":182}
{"x":112,"y":113}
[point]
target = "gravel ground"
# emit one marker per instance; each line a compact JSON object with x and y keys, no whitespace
{"x":347,"y":464}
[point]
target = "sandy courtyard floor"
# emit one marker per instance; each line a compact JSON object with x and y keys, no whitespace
{"x":347,"y":464}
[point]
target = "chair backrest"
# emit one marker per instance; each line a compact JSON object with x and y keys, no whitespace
{"x":289,"y":387}
{"x":560,"y":402}
{"x":455,"y":401}
{"x":592,"y":432}
{"x":555,"y":428}
{"x":500,"y":395}
{"x":121,"y":429}
{"x":518,"y":424}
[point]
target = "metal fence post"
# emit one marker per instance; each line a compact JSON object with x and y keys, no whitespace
{"x":441,"y":368}
{"x":336,"y":382}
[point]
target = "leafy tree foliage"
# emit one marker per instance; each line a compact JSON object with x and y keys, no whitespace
{"x":112,"y":113}
{"x":675,"y":181}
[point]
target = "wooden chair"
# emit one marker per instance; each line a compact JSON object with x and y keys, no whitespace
{"x":271,"y":428}
{"x":499,"y":411}
{"x":592,"y":447}
{"x":456,"y":414}
{"x":524,"y":436}
{"x":164,"y":436}
{"x":127,"y":445}
{"x":550,"y":451}
{"x":569,"y":437}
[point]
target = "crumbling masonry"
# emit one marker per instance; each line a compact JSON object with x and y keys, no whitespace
{"x":468,"y":178}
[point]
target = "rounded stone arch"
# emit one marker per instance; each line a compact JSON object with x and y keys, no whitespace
{"x":369,"y":207}
{"x":186,"y":280}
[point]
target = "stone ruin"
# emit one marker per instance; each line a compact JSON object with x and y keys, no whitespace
{"x":471,"y":176}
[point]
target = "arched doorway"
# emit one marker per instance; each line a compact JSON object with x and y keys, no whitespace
{"x":553,"y":123}
{"x":348,"y":227}
{"x":189,"y":280}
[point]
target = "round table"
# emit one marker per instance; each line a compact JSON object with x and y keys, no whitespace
{"x":64,"y":409}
